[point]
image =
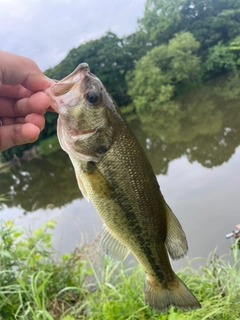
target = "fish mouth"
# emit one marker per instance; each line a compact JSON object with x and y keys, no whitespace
{"x":50,"y":109}
{"x":61,"y":93}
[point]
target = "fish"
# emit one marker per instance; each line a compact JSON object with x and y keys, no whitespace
{"x":114,"y":173}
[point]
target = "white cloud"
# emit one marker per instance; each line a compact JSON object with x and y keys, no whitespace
{"x":46,"y":30}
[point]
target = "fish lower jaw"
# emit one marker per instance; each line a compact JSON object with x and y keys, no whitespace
{"x":53,"y":104}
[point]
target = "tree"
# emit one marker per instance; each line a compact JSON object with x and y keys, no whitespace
{"x":137,"y":44}
{"x":37,"y":187}
{"x":156,"y":76}
{"x":205,"y":126}
{"x":162,"y":19}
{"x":219,"y":60}
{"x":210,"y":21}
{"x":107,"y":59}
{"x":234,"y":47}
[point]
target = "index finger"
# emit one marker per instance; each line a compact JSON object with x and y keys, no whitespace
{"x":16,"y":70}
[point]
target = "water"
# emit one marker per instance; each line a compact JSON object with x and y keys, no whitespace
{"x":194,"y":149}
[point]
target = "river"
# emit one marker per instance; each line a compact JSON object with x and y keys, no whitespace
{"x":194,"y":149}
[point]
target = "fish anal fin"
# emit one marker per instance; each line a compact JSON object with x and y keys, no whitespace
{"x":175,"y":294}
{"x":112,"y":246}
{"x":176,"y":241}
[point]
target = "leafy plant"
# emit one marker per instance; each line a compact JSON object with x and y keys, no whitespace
{"x":34,"y":285}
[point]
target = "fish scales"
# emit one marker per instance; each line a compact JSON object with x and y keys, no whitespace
{"x":114,"y":173}
{"x":127,"y":222}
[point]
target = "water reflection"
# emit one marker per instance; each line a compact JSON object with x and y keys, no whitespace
{"x":41,"y":183}
{"x":203,"y":125}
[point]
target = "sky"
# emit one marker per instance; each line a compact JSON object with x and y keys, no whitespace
{"x":45,"y":31}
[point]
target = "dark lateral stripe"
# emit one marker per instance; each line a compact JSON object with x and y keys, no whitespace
{"x":131,"y":217}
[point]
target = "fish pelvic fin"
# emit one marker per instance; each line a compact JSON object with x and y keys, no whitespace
{"x":112,"y":246}
{"x":176,"y":242}
{"x":161,"y":297}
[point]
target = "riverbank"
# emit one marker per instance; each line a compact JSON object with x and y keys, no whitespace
{"x":44,"y":148}
{"x":83,"y":285}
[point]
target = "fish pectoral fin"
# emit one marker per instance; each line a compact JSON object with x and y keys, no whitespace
{"x":176,"y":241}
{"x":79,"y":180}
{"x":112,"y":246}
{"x":82,"y":188}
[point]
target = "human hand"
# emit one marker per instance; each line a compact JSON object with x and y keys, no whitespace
{"x":22,"y":104}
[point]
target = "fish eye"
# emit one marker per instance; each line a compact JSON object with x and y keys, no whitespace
{"x":92,"y":96}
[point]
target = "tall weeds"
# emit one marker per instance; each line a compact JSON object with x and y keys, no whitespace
{"x":34,"y":285}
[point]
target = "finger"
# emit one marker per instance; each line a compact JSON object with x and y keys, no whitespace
{"x":37,"y":103}
{"x":17,"y":134}
{"x":21,"y":70}
{"x":34,"y":118}
{"x":15,"y":92}
{"x":7,"y":121}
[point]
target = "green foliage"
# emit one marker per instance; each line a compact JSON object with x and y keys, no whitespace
{"x":108,"y":61}
{"x":219,"y":60}
{"x":136,"y":45}
{"x":51,"y":125}
{"x":178,"y":43}
{"x":38,"y":187}
{"x":184,"y":64}
{"x":234,"y":47}
{"x":33,"y":285}
{"x":2,"y":159}
{"x":16,"y":150}
{"x":203,"y":124}
{"x":157,"y":75}
{"x":210,"y":21}
{"x":235,"y":44}
{"x":162,"y":19}
{"x":49,"y":146}
{"x":3,"y":198}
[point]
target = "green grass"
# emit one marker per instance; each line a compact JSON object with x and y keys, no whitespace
{"x":82,"y":285}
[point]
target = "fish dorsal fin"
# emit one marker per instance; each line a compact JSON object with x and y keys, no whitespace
{"x":176,"y":241}
{"x":112,"y":246}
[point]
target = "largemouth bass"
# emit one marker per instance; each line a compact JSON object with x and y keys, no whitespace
{"x":113,"y":172}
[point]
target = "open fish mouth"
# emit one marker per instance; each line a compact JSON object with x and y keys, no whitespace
{"x":62,"y":92}
{"x":50,"y":109}
{"x":113,"y":172}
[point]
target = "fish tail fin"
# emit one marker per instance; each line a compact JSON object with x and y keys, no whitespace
{"x":175,"y":294}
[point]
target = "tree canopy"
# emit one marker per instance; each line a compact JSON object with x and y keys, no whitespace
{"x":178,"y":45}
{"x":107,"y":59}
{"x":159,"y":74}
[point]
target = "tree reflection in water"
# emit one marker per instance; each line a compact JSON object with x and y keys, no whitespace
{"x":203,"y":125}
